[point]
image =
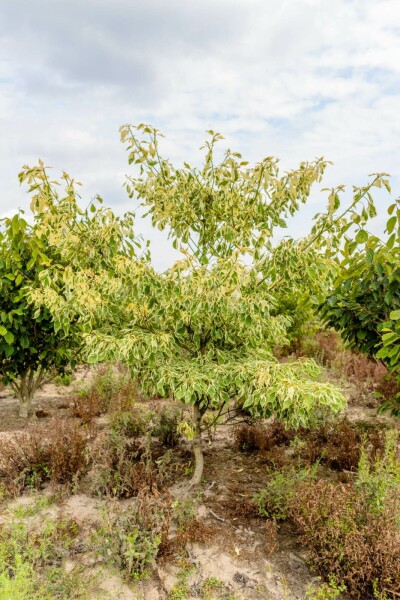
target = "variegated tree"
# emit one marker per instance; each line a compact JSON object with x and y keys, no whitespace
{"x":204,"y":331}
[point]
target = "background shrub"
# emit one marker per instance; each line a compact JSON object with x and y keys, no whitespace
{"x":110,"y":388}
{"x":131,"y":538}
{"x":54,"y":451}
{"x":166,"y":429}
{"x":261,"y":437}
{"x":124,"y":466}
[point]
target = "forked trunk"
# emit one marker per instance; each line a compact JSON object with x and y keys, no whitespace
{"x":25,"y":390}
{"x":197,"y":447}
{"x":24,"y":395}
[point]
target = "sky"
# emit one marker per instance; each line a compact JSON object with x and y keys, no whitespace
{"x":295,"y":79}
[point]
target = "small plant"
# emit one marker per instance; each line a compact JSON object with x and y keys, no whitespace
{"x":122,"y":466}
{"x":51,"y":452}
{"x":326,"y":591}
{"x":210,"y":585}
{"x":186,"y":528}
{"x":131,"y":538}
{"x":380,"y":477}
{"x":64,"y":379}
{"x":181,"y":591}
{"x":166,"y":429}
{"x":184,"y":512}
{"x":274,"y":501}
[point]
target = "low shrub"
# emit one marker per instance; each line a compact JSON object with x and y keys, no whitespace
{"x":87,"y":407}
{"x":124,"y":467}
{"x":338,"y":444}
{"x":261,"y":437}
{"x":166,"y":429}
{"x":54,"y":451}
{"x":110,"y":388}
{"x":131,"y":538}
{"x":130,"y":423}
{"x":324,"y":347}
{"x":378,"y":476}
{"x":352,"y":531}
{"x":346,"y":538}
{"x":274,"y":500}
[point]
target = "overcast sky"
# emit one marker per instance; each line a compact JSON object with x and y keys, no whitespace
{"x":292,"y":78}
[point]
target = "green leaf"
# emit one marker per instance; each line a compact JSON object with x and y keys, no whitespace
{"x":9,"y":337}
{"x":390,"y":225}
{"x":369,"y":257}
{"x":389,"y":338}
{"x":362,"y":236}
{"x":24,"y":341}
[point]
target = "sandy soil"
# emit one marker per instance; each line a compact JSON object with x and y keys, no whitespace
{"x":242,"y":552}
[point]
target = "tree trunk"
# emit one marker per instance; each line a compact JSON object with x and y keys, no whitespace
{"x":24,"y":408}
{"x":25,"y":390}
{"x":24,"y":395}
{"x":197,"y":447}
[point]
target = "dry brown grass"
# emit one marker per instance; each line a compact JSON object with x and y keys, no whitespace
{"x":261,"y":437}
{"x":345,"y":537}
{"x":125,"y":467}
{"x":54,"y":451}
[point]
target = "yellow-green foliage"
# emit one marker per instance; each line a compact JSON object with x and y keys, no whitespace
{"x":203,"y":331}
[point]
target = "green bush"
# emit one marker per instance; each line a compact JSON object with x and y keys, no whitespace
{"x":351,"y":531}
{"x":274,"y":500}
{"x":379,"y":477}
{"x":166,"y":430}
{"x":131,"y":538}
{"x":364,"y":305}
{"x":130,"y":423}
{"x":31,"y":561}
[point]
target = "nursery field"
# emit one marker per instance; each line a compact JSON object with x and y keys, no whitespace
{"x":95,"y":503}
{"x":226,"y":428}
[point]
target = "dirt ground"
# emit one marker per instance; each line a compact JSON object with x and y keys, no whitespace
{"x":249,"y":558}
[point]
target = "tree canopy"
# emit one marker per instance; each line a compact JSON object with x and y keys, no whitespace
{"x":364,"y":305}
{"x":203,"y":331}
{"x":30,"y":346}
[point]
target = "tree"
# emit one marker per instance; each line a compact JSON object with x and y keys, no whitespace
{"x":34,"y":344}
{"x":205,"y":330}
{"x":364,"y":305}
{"x":30,"y":347}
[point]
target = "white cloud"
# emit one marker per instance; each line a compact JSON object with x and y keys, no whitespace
{"x":294,"y":78}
